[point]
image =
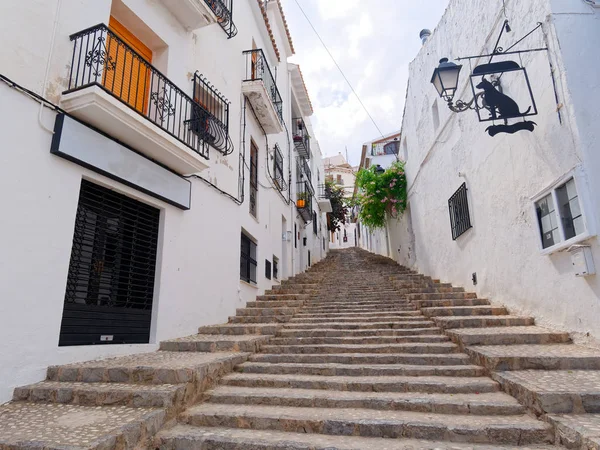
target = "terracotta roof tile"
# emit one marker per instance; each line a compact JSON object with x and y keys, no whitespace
{"x":261,"y":5}
{"x":287,"y":30}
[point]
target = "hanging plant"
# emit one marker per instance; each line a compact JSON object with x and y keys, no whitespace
{"x":338,"y":204}
{"x":381,"y":195}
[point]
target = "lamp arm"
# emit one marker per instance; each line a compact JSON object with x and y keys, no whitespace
{"x":461,"y":106}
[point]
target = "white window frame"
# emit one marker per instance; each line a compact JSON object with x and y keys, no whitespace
{"x":578,"y":175}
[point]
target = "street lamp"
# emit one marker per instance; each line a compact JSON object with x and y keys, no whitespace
{"x":445,"y":79}
{"x":379,"y":170}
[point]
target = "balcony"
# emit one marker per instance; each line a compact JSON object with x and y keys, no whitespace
{"x":324,"y":198}
{"x":304,"y":193}
{"x":261,"y":90}
{"x":114,"y":89}
{"x":301,"y":138}
{"x":194,"y":14}
{"x":304,"y":171}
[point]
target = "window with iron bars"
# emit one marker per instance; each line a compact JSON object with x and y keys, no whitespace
{"x":267,"y":269}
{"x":278,"y":168}
{"x":315,"y":223}
{"x":248,"y":260}
{"x":253,"y":177}
{"x":458,"y":205}
{"x":275,"y":267}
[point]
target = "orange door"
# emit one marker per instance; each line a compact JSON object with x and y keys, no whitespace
{"x":128,"y":77}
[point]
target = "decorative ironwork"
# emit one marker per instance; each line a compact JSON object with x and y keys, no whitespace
{"x":304,"y":173}
{"x":119,"y":70}
{"x":210,"y":116}
{"x":110,"y":285}
{"x":458,"y":205}
{"x":301,"y":137}
{"x":257,"y":69}
{"x":488,"y":95}
{"x":223,"y":9}
{"x":161,"y":100}
{"x":304,"y":193}
{"x":100,"y":58}
{"x":253,"y":178}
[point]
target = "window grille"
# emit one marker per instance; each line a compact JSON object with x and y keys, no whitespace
{"x":458,"y":206}
{"x":110,"y":284}
{"x":253,"y":177}
{"x":278,"y":168}
{"x":315,"y":223}
{"x":267,"y":269}
{"x":248,"y":260}
{"x":275,"y":267}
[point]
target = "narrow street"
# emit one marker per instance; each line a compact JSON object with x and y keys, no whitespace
{"x":355,"y":350}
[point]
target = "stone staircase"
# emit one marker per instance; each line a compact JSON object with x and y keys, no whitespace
{"x":356,"y":353}
{"x":373,"y":352}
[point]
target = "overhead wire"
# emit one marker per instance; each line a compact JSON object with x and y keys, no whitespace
{"x":339,"y":68}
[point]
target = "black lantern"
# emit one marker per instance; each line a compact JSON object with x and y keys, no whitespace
{"x":379,"y":170}
{"x":445,"y":79}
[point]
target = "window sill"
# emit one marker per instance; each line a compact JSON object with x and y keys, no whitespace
{"x":252,"y":285}
{"x":562,"y":246}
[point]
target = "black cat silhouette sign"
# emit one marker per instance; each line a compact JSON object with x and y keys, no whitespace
{"x":503,"y":93}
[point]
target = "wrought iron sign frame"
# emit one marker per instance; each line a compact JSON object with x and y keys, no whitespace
{"x":499,"y":106}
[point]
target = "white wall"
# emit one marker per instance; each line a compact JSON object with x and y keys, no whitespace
{"x":503,"y":173}
{"x":199,"y":250}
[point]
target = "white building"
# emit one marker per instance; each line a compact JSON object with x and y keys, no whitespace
{"x":340,"y":172}
{"x":532,"y":197}
{"x":162,"y":194}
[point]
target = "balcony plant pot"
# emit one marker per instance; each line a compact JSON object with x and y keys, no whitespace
{"x":298,"y":138}
{"x":300,"y":203}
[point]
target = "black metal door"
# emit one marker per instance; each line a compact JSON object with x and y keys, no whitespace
{"x":110,"y":286}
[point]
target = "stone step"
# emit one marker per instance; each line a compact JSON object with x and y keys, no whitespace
{"x":361,"y":358}
{"x":458,"y":311}
{"x":26,"y":425}
{"x":507,"y":336}
{"x":433,"y":338}
{"x":332,"y":369}
{"x":241,"y":329}
{"x":441,"y":296}
{"x":150,"y":368}
{"x":183,"y":437}
{"x":383,"y":317}
{"x":451,"y":302}
{"x":374,"y":314}
{"x":276,"y":304}
{"x":539,"y":357}
{"x":279,"y":297}
{"x":496,"y":403}
{"x":553,"y":391}
{"x":420,"y":348}
{"x":359,"y":308}
{"x":212,"y":438}
{"x":216,"y":343}
{"x":579,"y":431}
{"x":322,"y":305}
{"x":101,"y":394}
{"x":483,"y":321}
{"x":370,"y":332}
{"x":514,"y":430}
{"x":276,"y":311}
{"x":260,"y":319}
{"x":362,"y":325}
{"x":423,"y":384}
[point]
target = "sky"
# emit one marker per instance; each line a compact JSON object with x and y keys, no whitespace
{"x":373,"y":42}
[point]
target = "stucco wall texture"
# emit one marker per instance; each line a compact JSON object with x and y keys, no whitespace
{"x":503,"y":173}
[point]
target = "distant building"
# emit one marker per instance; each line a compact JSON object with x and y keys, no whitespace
{"x":338,"y":170}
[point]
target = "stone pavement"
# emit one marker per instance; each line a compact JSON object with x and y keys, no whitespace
{"x":356,"y":353}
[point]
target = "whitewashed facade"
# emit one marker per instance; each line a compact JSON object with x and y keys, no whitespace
{"x":508,"y":175}
{"x":197,"y":261}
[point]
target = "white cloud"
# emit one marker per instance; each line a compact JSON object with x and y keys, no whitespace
{"x":373,"y":45}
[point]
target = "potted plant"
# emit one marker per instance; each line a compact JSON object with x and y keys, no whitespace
{"x":302,"y":198}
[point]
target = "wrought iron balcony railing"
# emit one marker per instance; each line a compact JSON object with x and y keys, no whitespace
{"x":324,"y":192}
{"x":100,"y":58}
{"x":301,"y":137}
{"x":223,"y":9}
{"x":304,"y":193}
{"x":304,"y":169}
{"x":278,"y":169}
{"x":257,"y":69}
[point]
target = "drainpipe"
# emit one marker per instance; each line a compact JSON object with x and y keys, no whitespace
{"x":48,"y":62}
